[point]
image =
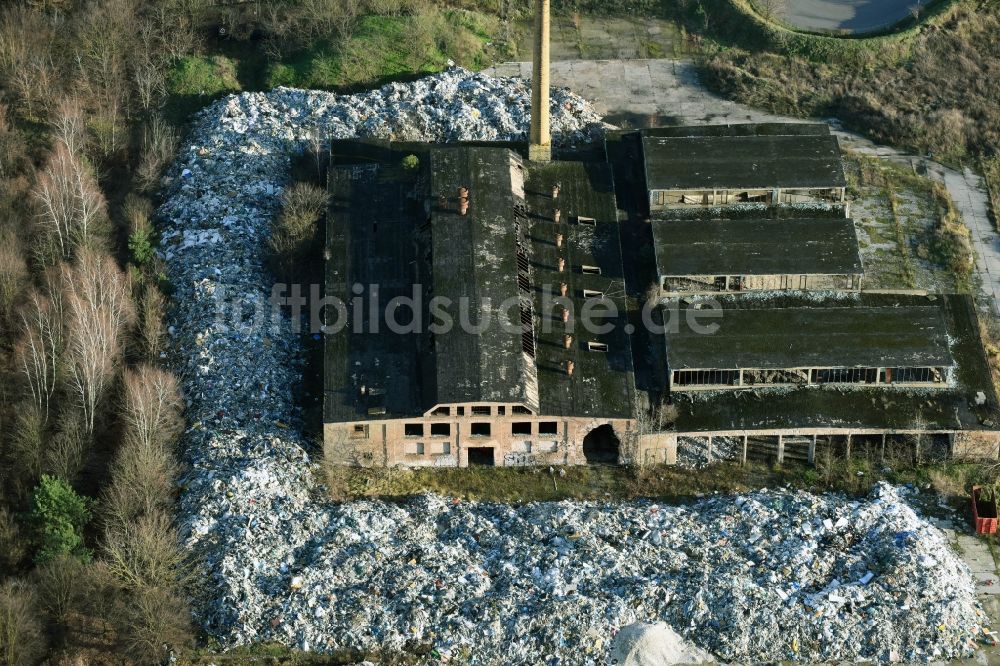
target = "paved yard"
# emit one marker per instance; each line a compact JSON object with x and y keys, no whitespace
{"x":586,"y":37}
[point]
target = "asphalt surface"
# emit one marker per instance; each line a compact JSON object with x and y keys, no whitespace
{"x":849,"y":15}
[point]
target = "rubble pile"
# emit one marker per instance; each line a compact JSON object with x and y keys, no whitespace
{"x":693,"y":453}
{"x":761,"y":577}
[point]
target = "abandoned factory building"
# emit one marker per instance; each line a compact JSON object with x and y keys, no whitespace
{"x":744,"y":228}
{"x":734,"y":255}
{"x":482,"y":224}
{"x":718,"y":165}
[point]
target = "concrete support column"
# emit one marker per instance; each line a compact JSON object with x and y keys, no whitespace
{"x":540,"y":146}
{"x":781,"y":449}
{"x":710,"y":448}
{"x":743,"y":457}
{"x":812,"y":451}
{"x":385,"y":446}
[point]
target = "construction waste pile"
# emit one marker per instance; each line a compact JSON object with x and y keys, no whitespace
{"x":763,"y":577}
{"x":696,"y":452}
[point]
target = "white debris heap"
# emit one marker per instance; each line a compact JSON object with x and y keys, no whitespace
{"x":763,"y":577}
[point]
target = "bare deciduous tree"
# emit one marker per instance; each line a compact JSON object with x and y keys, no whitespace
{"x":159,"y":144}
{"x":13,"y":271}
{"x":145,"y":552}
{"x":151,"y":330}
{"x":55,"y":197}
{"x":27,"y":448}
{"x":141,"y":482}
{"x":151,"y":409}
{"x":26,"y":65}
{"x":22,"y":635}
{"x":39,"y":352}
{"x":150,"y":84}
{"x":154,"y":618}
{"x":771,"y":9}
{"x":70,"y":202}
{"x":100,"y":312}
{"x":58,"y":585}
{"x":70,"y":126}
{"x":68,"y":446}
{"x":143,"y":471}
{"x":13,"y":546}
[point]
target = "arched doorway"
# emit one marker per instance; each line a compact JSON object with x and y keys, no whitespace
{"x":601,"y":446}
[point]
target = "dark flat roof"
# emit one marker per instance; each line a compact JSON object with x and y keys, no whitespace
{"x":751,"y":161}
{"x":822,"y":246}
{"x":356,"y":356}
{"x":805,"y":336}
{"x":602,"y":382}
{"x":474,"y":258}
{"x":389,"y":226}
{"x":876,"y":408}
{"x":740,"y":129}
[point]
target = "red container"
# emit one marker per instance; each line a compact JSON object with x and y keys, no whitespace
{"x":984,"y":513}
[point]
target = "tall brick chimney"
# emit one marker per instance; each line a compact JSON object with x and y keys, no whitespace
{"x":540,"y":146}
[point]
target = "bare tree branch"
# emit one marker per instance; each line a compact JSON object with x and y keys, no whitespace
{"x":101,"y":311}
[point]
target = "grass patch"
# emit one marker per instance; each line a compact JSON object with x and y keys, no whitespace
{"x":195,"y":81}
{"x":900,"y":237}
{"x":934,"y":89}
{"x":275,"y":654}
{"x":854,"y":476}
{"x":952,"y":245}
{"x":386,"y":47}
{"x":991,"y":175}
{"x":918,"y":219}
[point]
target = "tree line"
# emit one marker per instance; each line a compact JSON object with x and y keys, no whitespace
{"x":90,"y":562}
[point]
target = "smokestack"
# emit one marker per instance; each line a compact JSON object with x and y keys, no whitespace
{"x":540,"y":147}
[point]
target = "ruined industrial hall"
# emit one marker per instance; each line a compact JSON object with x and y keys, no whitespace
{"x":801,"y":357}
{"x":505,"y":304}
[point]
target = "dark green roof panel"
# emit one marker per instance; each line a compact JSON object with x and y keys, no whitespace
{"x":811,"y":246}
{"x":751,"y":162}
{"x":803,"y":337}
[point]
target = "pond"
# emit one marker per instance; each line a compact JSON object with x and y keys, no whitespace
{"x":842,"y":15}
